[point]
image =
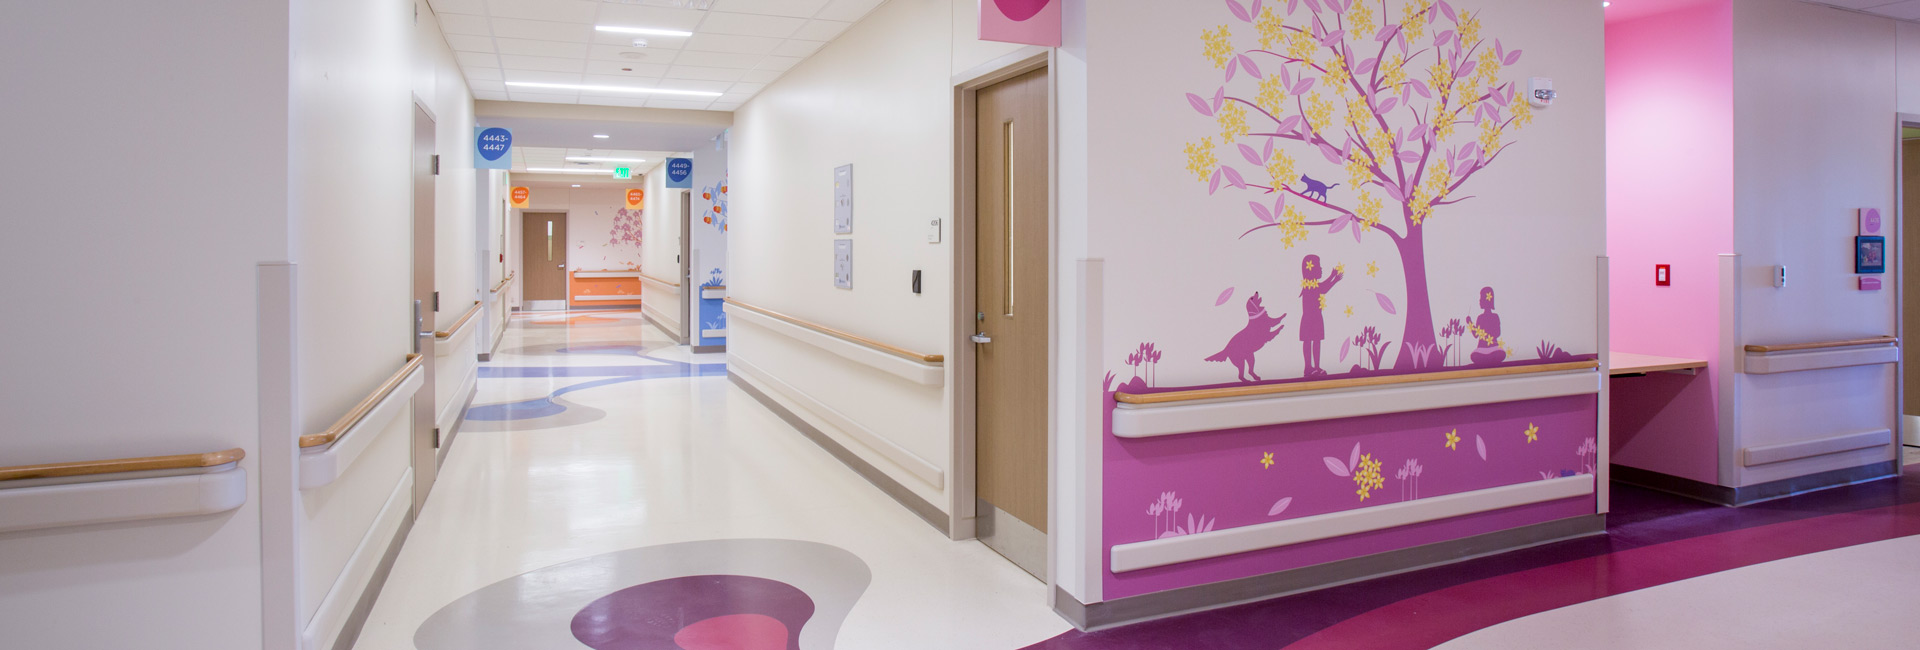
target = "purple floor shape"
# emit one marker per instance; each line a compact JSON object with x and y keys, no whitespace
{"x":1640,"y":519}
{"x":657,"y":615}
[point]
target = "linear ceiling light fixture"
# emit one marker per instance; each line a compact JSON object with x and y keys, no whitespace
{"x":651,"y":31}
{"x":599,"y":159}
{"x":614,"y":89}
{"x":567,"y":170}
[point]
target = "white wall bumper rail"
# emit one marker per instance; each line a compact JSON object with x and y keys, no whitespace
{"x":919,"y":373}
{"x":609,"y":298}
{"x":606,"y":274}
{"x":321,"y":466}
{"x":1766,"y":363}
{"x":1150,"y":420}
{"x":324,"y":628}
{"x":1783,"y":452}
{"x":892,"y":451}
{"x":1221,"y":543}
{"x":110,"y":498}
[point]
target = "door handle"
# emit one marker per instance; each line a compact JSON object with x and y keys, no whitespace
{"x":982,"y":338}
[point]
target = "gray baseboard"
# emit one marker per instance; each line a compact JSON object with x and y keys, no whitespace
{"x":446,"y":438}
{"x":357,"y":619}
{"x":1751,"y":494}
{"x":663,"y":328}
{"x":933,"y":516}
{"x":709,"y":349}
{"x":1134,"y":609}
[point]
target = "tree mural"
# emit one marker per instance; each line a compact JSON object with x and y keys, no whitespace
{"x":1411,"y":111}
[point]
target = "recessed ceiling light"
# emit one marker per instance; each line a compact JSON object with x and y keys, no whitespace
{"x":595,"y":159}
{"x":565,"y":170}
{"x":601,"y":136}
{"x":613,"y":89}
{"x":653,"y":31}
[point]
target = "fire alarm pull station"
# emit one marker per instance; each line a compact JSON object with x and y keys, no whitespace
{"x":1663,"y":275}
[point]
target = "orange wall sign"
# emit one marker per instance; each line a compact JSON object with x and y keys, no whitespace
{"x":635,"y":198}
{"x":521,"y":196}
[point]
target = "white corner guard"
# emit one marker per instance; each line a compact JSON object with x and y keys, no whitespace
{"x":1146,"y":421}
{"x":1783,"y":452}
{"x":97,"y":502}
{"x":713,"y":334}
{"x":1220,"y":543}
{"x":320,"y":466}
{"x":900,"y":456}
{"x":1759,"y":363}
{"x":324,"y":628}
{"x":919,"y":373}
{"x":710,"y":293}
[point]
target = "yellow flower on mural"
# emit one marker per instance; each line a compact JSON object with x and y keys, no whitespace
{"x":1469,"y":28}
{"x":1337,"y":73}
{"x":1369,"y":211}
{"x":1349,"y":310}
{"x":1273,"y":95}
{"x":1309,"y":284}
{"x":1266,"y":461}
{"x":1219,"y":47}
{"x":1453,"y":439}
{"x":1490,"y":137}
{"x":1339,"y":268}
{"x":1282,"y":169}
{"x":1373,"y":270}
{"x":1359,"y":167}
{"x":1394,"y":73}
{"x":1360,"y":20}
{"x":1272,"y":29}
{"x":1367,"y":476}
{"x":1440,"y":75}
{"x":1300,"y":47}
{"x":1522,"y":111}
{"x":1323,"y":302}
{"x":1293,"y":227}
{"x":1200,"y":159}
{"x":1533,"y":432}
{"x":1319,"y":111}
{"x":1310,"y":267}
{"x":1233,"y":121}
{"x":1413,"y":22}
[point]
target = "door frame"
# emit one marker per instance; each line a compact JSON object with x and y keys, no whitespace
{"x":687,"y":285}
{"x":963,"y":492}
{"x":1901,"y":292}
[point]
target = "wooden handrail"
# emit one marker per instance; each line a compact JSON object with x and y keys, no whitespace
{"x":844,"y":336}
{"x":1849,"y":343}
{"x":365,"y":406}
{"x":503,"y":283}
{"x":462,"y":322}
{"x":144,"y":464}
{"x":717,"y":286}
{"x":644,"y":276}
{"x":1355,"y":382}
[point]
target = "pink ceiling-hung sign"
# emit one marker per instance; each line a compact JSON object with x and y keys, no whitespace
{"x":1032,"y":22}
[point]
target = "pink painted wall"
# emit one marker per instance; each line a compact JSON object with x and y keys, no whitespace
{"x":1669,"y":201}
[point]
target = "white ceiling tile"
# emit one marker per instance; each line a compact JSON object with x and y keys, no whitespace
{"x":732,"y":43}
{"x":524,"y":47}
{"x":694,"y":84}
{"x":469,"y":43}
{"x":489,"y":95}
{"x":718,"y":59}
{"x":492,"y":86}
{"x":543,"y":63}
{"x":649,"y":55}
{"x":626,"y":69}
{"x":774,"y":62}
{"x":628,"y":40}
{"x":628,"y":101}
{"x":723,"y":106}
{"x":679,"y":103}
{"x":538,"y":76}
{"x":703,"y":74}
{"x":796,"y":8}
{"x":483,"y":74}
{"x":545,"y":98}
{"x":734,"y":98}
{"x":746,"y":87}
{"x":797,"y":48}
{"x":564,"y":11}
{"x":444,"y":7}
{"x":628,"y":80}
{"x":847,"y":10}
{"x":750,"y":25}
{"x":821,"y":30}
{"x":762,"y":76}
{"x":458,"y":24}
{"x":541,"y":30}
{"x":622,"y":15}
{"x":476,"y":60}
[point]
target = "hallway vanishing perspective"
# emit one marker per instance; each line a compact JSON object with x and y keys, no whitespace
{"x":960,"y":324}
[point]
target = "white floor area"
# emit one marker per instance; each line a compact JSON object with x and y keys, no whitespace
{"x":676,"y":460}
{"x":1858,"y":598}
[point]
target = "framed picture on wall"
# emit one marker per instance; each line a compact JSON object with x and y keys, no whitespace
{"x":1870,"y":254}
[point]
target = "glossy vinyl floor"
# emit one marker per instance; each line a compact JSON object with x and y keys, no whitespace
{"x":610,"y":490}
{"x":599,"y":457}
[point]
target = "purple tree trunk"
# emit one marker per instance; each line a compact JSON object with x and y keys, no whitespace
{"x":1419,"y":309}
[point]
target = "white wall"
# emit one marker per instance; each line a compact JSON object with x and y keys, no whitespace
{"x":134,"y":329}
{"x":879,"y":97}
{"x":1815,"y":138}
{"x":660,"y":249}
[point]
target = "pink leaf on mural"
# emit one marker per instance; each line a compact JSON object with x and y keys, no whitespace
{"x":1289,"y":124}
{"x":1333,"y":465}
{"x":1252,"y":156}
{"x":1199,"y":104}
{"x":1239,"y":11}
{"x":1254,"y":8}
{"x":1447,"y":9}
{"x":1481,"y":445}
{"x":1333,"y":37}
{"x":1292,"y":5}
{"x":1512,"y":58}
{"x":1214,"y":185}
{"x":1443,"y":38}
{"x":1420,"y":88}
{"x":1499,"y":50}
{"x":1232,"y":67}
{"x":1233,"y":177}
{"x":1279,"y":506}
{"x":1501,"y":97}
{"x":1260,"y":211}
{"x":1338,"y":6}
{"x":1332,"y":154}
{"x":1366,"y":67}
{"x":1247,"y":62}
{"x":1385,"y":302}
{"x":1346,"y":345}
{"x":1353,"y":459}
{"x":1466,"y":67}
{"x":1387,"y":34}
{"x":1408,"y":156}
{"x":1224,"y":297}
{"x":1314,"y":5}
{"x":1301,"y":87}
{"x":1388,"y":104}
{"x":1267,"y":152}
{"x":1219,"y":98}
{"x":1286,"y":79}
{"x":1393,"y":192}
{"x":1420,"y":132}
{"x":1339,"y":224}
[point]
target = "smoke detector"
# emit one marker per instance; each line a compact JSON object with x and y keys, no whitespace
{"x":639,"y":42}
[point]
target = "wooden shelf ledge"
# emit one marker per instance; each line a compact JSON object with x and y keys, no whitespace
{"x":1631,"y":363}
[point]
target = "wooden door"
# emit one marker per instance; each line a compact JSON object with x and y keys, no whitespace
{"x":1011,"y":230}
{"x":543,"y":256}
{"x":425,"y":438}
{"x":1906,"y":274}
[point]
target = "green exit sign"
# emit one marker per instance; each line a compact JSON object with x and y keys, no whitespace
{"x":623,"y":172}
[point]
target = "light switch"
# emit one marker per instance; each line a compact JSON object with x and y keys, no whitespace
{"x":933,"y":231}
